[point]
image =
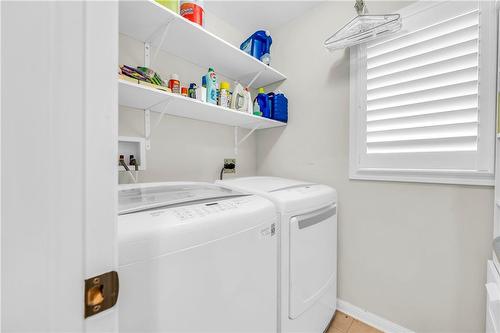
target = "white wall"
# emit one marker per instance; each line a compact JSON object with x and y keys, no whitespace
{"x":184,"y":149}
{"x":412,"y":253}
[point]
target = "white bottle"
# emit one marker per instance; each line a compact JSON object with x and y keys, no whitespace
{"x":248,"y":98}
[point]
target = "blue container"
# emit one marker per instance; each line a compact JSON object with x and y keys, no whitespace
{"x":271,"y":103}
{"x":259,"y":46}
{"x":280,"y":107}
{"x":264,"y":105}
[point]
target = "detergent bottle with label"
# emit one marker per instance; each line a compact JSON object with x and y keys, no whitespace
{"x":193,"y":11}
{"x":211,"y":86}
{"x":261,"y":104}
{"x":259,"y":46}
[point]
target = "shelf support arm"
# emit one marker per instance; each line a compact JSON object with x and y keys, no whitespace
{"x":162,"y":40}
{"x":147,"y":123}
{"x":238,"y":143}
{"x":255,"y":78}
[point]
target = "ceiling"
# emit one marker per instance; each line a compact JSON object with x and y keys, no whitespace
{"x":250,"y":16}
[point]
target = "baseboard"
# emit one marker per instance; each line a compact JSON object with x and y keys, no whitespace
{"x":371,"y":319}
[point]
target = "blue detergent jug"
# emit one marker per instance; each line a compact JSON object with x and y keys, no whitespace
{"x":262,"y":101}
{"x":279,"y":107}
{"x":259,"y":46}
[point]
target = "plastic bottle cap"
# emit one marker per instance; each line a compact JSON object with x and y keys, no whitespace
{"x":210,"y":69}
{"x":262,"y":91}
{"x":174,"y":77}
{"x":225,"y":85}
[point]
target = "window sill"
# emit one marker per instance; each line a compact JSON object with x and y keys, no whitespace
{"x":425,"y":176}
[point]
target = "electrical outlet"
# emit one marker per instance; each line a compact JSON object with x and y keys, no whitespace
{"x":229,"y":165}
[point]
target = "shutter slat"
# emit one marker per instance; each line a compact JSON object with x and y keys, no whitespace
{"x":441,"y":118}
{"x":443,"y":105}
{"x":422,"y":86}
{"x":424,"y":133}
{"x":436,"y":81}
{"x":438,"y":43}
{"x":428,"y":33}
{"x":424,"y":146}
{"x":455,"y":90}
{"x":446,"y":54}
{"x":441,"y":67}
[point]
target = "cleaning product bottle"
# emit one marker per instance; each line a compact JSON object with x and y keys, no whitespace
{"x":224,"y":94}
{"x":271,"y":96}
{"x":262,"y":101}
{"x":256,"y":108}
{"x":193,"y":11}
{"x":259,"y":46}
{"x":211,"y":86}
{"x":174,"y":84}
{"x":201,"y":92}
{"x":192,"y":90}
{"x":184,"y":91}
{"x":248,"y":98}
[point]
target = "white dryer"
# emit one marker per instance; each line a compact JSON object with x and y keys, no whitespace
{"x":308,"y":249}
{"x":196,"y":257}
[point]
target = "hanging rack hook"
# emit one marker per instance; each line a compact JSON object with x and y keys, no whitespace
{"x":360,"y":7}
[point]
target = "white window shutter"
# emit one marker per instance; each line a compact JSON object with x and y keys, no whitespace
{"x":423,"y":100}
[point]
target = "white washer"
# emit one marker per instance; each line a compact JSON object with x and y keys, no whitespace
{"x":308,"y":249}
{"x":196,"y":257}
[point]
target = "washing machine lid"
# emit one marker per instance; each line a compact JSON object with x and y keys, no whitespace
{"x":135,"y":198}
{"x":265,"y":184}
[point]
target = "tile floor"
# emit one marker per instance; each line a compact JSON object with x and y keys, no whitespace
{"x":343,"y":323}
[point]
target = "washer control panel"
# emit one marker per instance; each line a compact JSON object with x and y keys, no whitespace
{"x":202,"y":210}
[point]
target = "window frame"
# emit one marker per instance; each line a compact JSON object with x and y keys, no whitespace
{"x":487,"y":112}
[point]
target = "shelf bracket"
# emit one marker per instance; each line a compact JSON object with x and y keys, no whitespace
{"x":238,"y":143}
{"x":147,"y":123}
{"x":249,"y":85}
{"x":162,"y":40}
{"x":147,"y":54}
{"x":147,"y":128}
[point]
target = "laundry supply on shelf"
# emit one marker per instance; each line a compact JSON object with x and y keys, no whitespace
{"x":173,"y":5}
{"x":211,"y":83}
{"x":280,"y":107}
{"x":184,"y":91}
{"x":174,"y":84}
{"x":193,"y":10}
{"x":201,"y":92}
{"x":248,"y":98}
{"x":259,"y":46}
{"x":261,"y":104}
{"x":152,"y":76}
{"x":144,"y":76}
{"x":224,"y":92}
{"x":192,"y":90}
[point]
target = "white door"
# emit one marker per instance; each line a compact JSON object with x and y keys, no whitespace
{"x":58,"y":154}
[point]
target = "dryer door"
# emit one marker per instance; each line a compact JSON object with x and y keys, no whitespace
{"x":313,"y":257}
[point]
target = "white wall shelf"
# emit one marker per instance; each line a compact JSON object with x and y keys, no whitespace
{"x":145,"y":98}
{"x":156,"y":25}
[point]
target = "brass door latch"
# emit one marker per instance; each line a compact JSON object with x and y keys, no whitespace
{"x":101,"y":293}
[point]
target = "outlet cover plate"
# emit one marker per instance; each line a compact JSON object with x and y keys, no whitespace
{"x":229,"y":161}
